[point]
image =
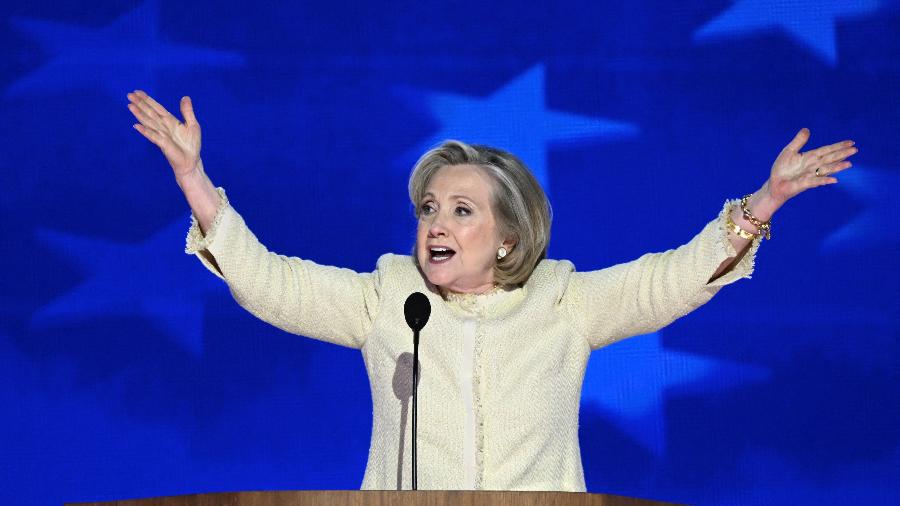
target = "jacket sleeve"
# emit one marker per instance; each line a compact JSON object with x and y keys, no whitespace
{"x":646,"y":294}
{"x":331,"y":304}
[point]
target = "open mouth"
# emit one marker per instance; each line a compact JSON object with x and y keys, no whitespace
{"x":439,"y":254}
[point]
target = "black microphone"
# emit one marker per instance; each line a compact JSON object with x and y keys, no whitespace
{"x":417,"y":309}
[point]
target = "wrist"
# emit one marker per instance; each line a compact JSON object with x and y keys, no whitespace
{"x":763,"y":203}
{"x":192,"y":178}
{"x":753,"y":216}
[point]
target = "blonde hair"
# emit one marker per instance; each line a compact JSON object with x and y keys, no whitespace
{"x":519,"y":204}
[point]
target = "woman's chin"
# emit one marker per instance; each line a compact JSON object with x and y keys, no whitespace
{"x":437,"y":279}
{"x":436,"y":275}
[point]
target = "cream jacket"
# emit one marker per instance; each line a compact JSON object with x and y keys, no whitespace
{"x":500,"y":375}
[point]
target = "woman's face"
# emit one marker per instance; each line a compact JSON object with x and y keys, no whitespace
{"x":457,"y":237}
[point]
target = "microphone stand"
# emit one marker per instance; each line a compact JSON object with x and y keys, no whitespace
{"x":415,"y":383}
{"x":416,"y":310}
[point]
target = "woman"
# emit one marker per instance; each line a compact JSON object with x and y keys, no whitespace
{"x":504,"y":353}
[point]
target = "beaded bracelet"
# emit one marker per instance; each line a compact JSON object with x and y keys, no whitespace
{"x":763,"y":226}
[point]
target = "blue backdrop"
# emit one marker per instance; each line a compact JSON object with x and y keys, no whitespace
{"x":126,"y":369}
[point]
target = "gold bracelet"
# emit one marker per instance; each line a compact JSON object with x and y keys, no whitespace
{"x":763,"y":226}
{"x":734,"y":227}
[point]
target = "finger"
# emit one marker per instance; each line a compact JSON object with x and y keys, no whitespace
{"x":835,"y":167}
{"x":822,"y":181}
{"x":154,"y":109}
{"x":148,"y":112}
{"x":154,"y":135}
{"x":164,"y":119}
{"x":159,"y":109}
{"x":151,"y":135}
{"x":839,"y":154}
{"x":161,"y":141}
{"x":831,"y":148}
{"x":816,"y":181}
{"x":798,"y":141}
{"x":187,"y":111}
{"x":825,"y":177}
{"x":143,"y":114}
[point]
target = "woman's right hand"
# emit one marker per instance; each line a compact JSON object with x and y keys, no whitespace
{"x":179,"y":142}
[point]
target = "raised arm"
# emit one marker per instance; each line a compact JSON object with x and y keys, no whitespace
{"x":649,"y":293}
{"x":298,"y":296}
{"x":792,"y":173}
{"x":180,"y":144}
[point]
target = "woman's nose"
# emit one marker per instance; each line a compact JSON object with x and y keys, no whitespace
{"x":436,"y":228}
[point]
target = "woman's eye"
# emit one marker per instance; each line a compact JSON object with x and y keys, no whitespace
{"x":463,"y":211}
{"x":426,"y":209}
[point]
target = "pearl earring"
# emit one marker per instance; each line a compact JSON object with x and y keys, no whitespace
{"x":501,"y":253}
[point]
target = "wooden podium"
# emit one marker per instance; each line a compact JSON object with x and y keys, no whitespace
{"x":384,"y":498}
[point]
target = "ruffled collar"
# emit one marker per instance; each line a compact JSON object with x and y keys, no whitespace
{"x":478,"y":302}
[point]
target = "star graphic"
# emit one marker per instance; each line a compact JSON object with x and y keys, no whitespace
{"x":810,"y":22}
{"x":515,"y":118}
{"x":116,"y":57}
{"x":628,"y":381}
{"x":874,"y":188}
{"x":150,"y":279}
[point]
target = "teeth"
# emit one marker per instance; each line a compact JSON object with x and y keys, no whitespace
{"x":440,"y":253}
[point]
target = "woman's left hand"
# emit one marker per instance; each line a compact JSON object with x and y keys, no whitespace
{"x":794,"y":172}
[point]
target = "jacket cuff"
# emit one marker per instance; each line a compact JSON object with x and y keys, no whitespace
{"x":196,"y":241}
{"x":744,"y":268}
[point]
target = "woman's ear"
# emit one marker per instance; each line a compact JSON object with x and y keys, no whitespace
{"x":509,"y":244}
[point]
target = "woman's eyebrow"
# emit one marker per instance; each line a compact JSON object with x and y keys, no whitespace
{"x":454,"y":196}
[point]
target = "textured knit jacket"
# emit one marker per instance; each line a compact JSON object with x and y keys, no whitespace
{"x":500,"y":375}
